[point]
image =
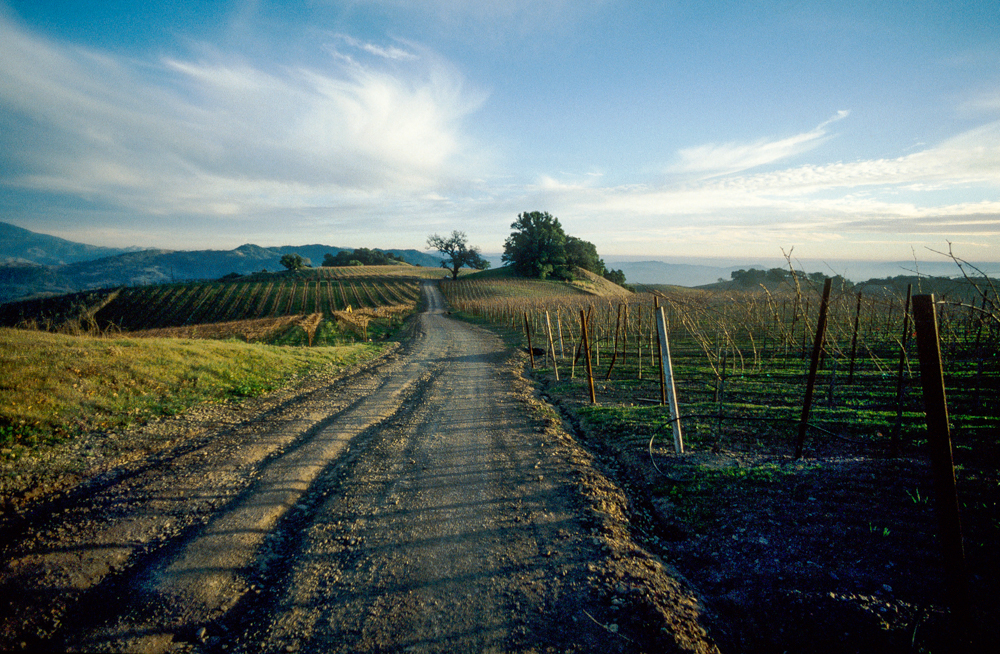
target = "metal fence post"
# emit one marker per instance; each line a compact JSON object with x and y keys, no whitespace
{"x":586,"y":348}
{"x":668,"y":369}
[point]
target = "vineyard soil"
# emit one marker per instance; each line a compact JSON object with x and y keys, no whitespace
{"x":427,"y":502}
{"x":836,"y":552}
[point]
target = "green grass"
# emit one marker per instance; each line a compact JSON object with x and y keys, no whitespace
{"x":54,"y":386}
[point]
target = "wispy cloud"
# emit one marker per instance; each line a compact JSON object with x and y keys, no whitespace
{"x":902,"y":198}
{"x":726,"y":158}
{"x":390,"y":52}
{"x":972,"y":157}
{"x":219,"y":136}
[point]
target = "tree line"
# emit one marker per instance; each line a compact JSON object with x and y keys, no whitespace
{"x":357,"y":257}
{"x":774,"y":276}
{"x":537,"y":247}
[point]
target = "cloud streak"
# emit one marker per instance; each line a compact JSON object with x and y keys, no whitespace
{"x":219,"y":136}
{"x":727,"y":158}
{"x":836,"y":203}
{"x":392,"y":52}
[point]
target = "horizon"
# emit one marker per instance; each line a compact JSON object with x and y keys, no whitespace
{"x":851,"y":131}
{"x":992,"y":267}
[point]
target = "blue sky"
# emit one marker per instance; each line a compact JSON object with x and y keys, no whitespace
{"x":866,"y":130}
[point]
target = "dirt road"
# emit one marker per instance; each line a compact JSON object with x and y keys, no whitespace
{"x":423,"y":503}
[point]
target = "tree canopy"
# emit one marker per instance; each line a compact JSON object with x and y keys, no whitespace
{"x":361,"y":257}
{"x":294,"y":261}
{"x":584,"y":254}
{"x":538,"y":247}
{"x":774,"y":276}
{"x":457,"y":253}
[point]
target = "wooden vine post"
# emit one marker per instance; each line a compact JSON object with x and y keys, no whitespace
{"x":562,"y":347}
{"x":586,"y":348}
{"x":667,"y":367}
{"x":942,"y":463}
{"x":638,"y":341}
{"x":854,"y":341}
{"x":813,"y":368}
{"x":614,"y":354}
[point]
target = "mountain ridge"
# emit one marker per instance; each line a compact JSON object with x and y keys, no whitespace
{"x":26,"y":268}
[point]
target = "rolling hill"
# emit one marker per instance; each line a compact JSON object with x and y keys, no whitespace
{"x":34,"y":264}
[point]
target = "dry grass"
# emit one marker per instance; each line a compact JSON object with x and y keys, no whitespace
{"x":358,"y":321}
{"x":402,"y":271}
{"x":259,"y":330}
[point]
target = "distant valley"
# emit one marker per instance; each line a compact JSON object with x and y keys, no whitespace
{"x":33,"y":264}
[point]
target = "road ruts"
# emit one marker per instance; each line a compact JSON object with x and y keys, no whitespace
{"x":420,"y":506}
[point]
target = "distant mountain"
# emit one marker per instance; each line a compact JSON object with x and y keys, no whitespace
{"x":19,"y":245}
{"x":678,"y":274}
{"x":655,"y":272}
{"x":700,"y":274}
{"x":35,"y":264}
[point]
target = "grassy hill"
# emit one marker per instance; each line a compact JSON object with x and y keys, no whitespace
{"x":55,"y":386}
{"x":501,"y":283}
{"x":122,"y":356}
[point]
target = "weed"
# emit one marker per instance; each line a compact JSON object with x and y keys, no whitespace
{"x":881,"y":531}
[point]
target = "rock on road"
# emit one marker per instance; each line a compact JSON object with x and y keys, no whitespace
{"x":424,"y":503}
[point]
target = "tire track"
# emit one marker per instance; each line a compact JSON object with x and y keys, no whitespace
{"x":208,"y":576}
{"x":421,"y":505}
{"x":105,"y":539}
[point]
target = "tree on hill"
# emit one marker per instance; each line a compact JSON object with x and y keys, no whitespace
{"x":584,"y":254}
{"x":615,"y":277}
{"x":457,"y":253}
{"x":361,"y":257}
{"x":539,"y":247}
{"x":294,"y":261}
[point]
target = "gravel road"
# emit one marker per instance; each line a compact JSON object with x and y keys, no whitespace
{"x":426,"y":502}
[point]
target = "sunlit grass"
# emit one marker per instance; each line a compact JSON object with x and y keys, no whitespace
{"x":54,"y":386}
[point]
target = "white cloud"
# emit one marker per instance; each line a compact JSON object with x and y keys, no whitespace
{"x":969,"y":158}
{"x":724,"y":158}
{"x":391,"y":52}
{"x":918,"y":197}
{"x":218,"y":135}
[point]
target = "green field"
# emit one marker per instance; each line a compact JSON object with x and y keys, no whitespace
{"x":107,"y":359}
{"x":54,"y":386}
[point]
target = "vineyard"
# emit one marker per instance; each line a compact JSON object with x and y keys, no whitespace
{"x":852,"y":514}
{"x":742,"y":357}
{"x":326,"y":305}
